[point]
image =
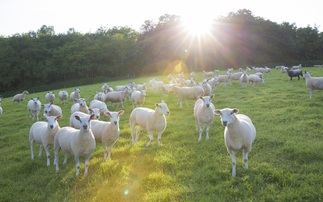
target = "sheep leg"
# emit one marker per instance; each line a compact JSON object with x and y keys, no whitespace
{"x":159,"y":137}
{"x":110,"y":148}
{"x":77,"y":162}
{"x":311,"y":91}
{"x":197,"y":127}
{"x":207,"y":130}
{"x":29,"y":114}
{"x":137,"y":133}
{"x":132,"y":125}
{"x":40,"y":150}
{"x":87,"y":159}
{"x":201,"y":131}
{"x":57,"y":148}
{"x":233,"y":157}
{"x":112,"y":104}
{"x":181,"y":104}
{"x":32,"y":148}
{"x":186,"y":102}
{"x":177,"y":101}
{"x":47,"y":154}
{"x":133,"y":106}
{"x":37,"y":115}
{"x":65,"y":159}
{"x":150,"y":134}
{"x":118,"y":105}
{"x":245,"y":159}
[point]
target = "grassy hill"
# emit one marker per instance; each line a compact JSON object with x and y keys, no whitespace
{"x":285,"y":163}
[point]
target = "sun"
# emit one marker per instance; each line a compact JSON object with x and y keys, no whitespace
{"x":197,"y":25}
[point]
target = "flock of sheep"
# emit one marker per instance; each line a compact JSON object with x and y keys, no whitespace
{"x":85,"y":128}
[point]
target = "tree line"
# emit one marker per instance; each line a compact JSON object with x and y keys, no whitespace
{"x":237,"y":40}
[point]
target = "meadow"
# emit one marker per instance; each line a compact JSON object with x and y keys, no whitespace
{"x":285,"y":163}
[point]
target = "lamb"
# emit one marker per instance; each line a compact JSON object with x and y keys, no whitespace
{"x":267,"y":70}
{"x":240,"y":69}
{"x":80,"y":106}
{"x":97,"y":104}
{"x":169,"y":77}
{"x":151,"y":120}
{"x":239,"y":134}
{"x":190,"y":82}
{"x":224,"y":78}
{"x":99,"y":96}
{"x":157,"y":85}
{"x":248,"y":69}
{"x":117,"y":96}
{"x":151,"y":82}
{"x":107,"y":132}
{"x":187,"y":93}
{"x":20,"y":97}
{"x":216,"y":71}
{"x":52,"y":110}
{"x":255,"y":79}
{"x":193,"y":74}
{"x":75,"y":142}
{"x":203,"y":112}
{"x":213,"y":82}
{"x":50,"y":97}
{"x":244,"y":79}
{"x":297,"y":67}
{"x":235,"y":76}
{"x":138,"y":97}
{"x":63,"y":95}
{"x":75,"y":95}
{"x":230,"y":70}
{"x":313,"y":82}
{"x":206,"y":87}
{"x":74,"y":123}
{"x":33,"y":107}
{"x":166,"y":90}
{"x":123,"y":87}
{"x":284,"y":69}
{"x":142,"y":87}
{"x":43,"y":133}
{"x":0,"y":106}
{"x":208,"y":74}
{"x":294,"y":73}
{"x":181,"y":76}
{"x":105,"y":88}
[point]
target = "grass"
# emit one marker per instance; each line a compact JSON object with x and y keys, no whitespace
{"x":285,"y":163}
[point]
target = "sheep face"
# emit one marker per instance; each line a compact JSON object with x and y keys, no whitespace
{"x":64,"y":93}
{"x":227,"y":116}
{"x":207,"y":100}
{"x":143,"y":93}
{"x":162,"y":108}
{"x":114,"y":116}
{"x":47,"y":108}
{"x":100,"y":96}
{"x":304,"y":75}
{"x":82,"y":101}
{"x":129,"y":90}
{"x":25,"y":92}
{"x":77,"y":90}
{"x":50,"y":94}
{"x":52,"y":121}
{"x":96,"y":112}
{"x":35,"y":100}
{"x":85,"y":122}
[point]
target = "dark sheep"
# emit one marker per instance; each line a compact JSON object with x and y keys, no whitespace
{"x":294,"y":73}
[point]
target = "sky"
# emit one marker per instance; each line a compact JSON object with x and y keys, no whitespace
{"x":22,"y":16}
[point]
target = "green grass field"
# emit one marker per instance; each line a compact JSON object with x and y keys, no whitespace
{"x":285,"y":163}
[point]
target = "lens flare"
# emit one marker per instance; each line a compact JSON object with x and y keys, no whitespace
{"x":126,"y":192}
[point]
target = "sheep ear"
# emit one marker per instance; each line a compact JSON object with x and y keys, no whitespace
{"x":310,"y":72}
{"x":101,"y":109}
{"x":38,"y":98}
{"x":92,"y":117}
{"x":77,"y":117}
{"x":201,"y":98}
{"x":90,"y":109}
{"x":86,"y":99}
{"x":212,"y":96}
{"x":156,"y":104}
{"x":235,"y":111}
{"x":121,"y":112}
{"x":217,"y":112}
{"x":107,"y":113}
{"x":31,"y":98}
{"x":59,"y":117}
{"x":45,"y":117}
{"x":162,"y":101}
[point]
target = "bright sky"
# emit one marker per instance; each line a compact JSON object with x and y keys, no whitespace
{"x":22,"y":16}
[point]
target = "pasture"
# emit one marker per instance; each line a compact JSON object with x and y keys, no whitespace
{"x":285,"y":163}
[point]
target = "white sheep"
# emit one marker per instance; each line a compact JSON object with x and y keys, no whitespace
{"x":297,"y":67}
{"x":203,"y":112}
{"x":118,"y":96}
{"x":313,"y":82}
{"x":74,"y":123}
{"x":141,"y":87}
{"x":52,"y":110}
{"x":267,"y":70}
{"x":284,"y":70}
{"x":75,"y":95}
{"x":0,"y":107}
{"x":43,"y":133}
{"x":224,"y":78}
{"x":208,"y":74}
{"x":20,"y":97}
{"x":107,"y":132}
{"x":192,"y":74}
{"x":169,"y":77}
{"x":166,"y":90}
{"x":230,"y":70}
{"x":151,"y":82}
{"x":181,"y":75}
{"x":248,"y":69}
{"x":50,"y":97}
{"x":187,"y":93}
{"x":244,"y":79}
{"x":138,"y":97}
{"x":213,"y":82}
{"x":157,"y":85}
{"x":105,"y":88}
{"x":255,"y":79}
{"x":240,"y":69}
{"x":63,"y":95}
{"x":80,"y":106}
{"x":217,"y":71}
{"x":190,"y":82}
{"x":97,"y":104}
{"x":149,"y":119}
{"x":239,"y":134}
{"x":99,"y":96}
{"x":33,"y":107}
{"x":206,"y":87}
{"x":235,"y":76}
{"x":75,"y":142}
{"x":123,"y":87}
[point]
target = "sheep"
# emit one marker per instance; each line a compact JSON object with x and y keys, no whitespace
{"x":52,"y":110}
{"x":123,"y":87}
{"x":248,"y":69}
{"x":208,"y":74}
{"x":267,"y":70}
{"x":75,"y":95}
{"x":138,"y":97}
{"x":217,"y":71}
{"x":190,"y":82}
{"x":294,"y":73}
{"x":206,"y":87}
{"x":141,"y":87}
{"x":239,"y":134}
{"x":192,"y":74}
{"x":80,"y":106}
{"x":63,"y":95}
{"x":297,"y":67}
{"x":99,"y":96}
{"x":313,"y":82}
{"x":244,"y":79}
{"x":74,"y":123}
{"x":230,"y":70}
{"x":187,"y":93}
{"x":240,"y":69}
{"x":181,"y":76}
{"x":224,"y":78}
{"x":166,"y":90}
{"x":105,"y":88}
{"x":20,"y":97}
{"x":169,"y":77}
{"x":33,"y":107}
{"x":255,"y":79}
{"x":256,"y":69}
{"x":151,"y":120}
{"x":157,"y":85}
{"x":284,"y":70}
{"x":75,"y":142}
{"x":0,"y":106}
{"x":99,"y":105}
{"x":203,"y":113}
{"x":235,"y":76}
{"x":107,"y":132}
{"x":117,"y":96}
{"x":43,"y":133}
{"x":151,"y":82}
{"x":213,"y":82}
{"x":50,"y":97}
